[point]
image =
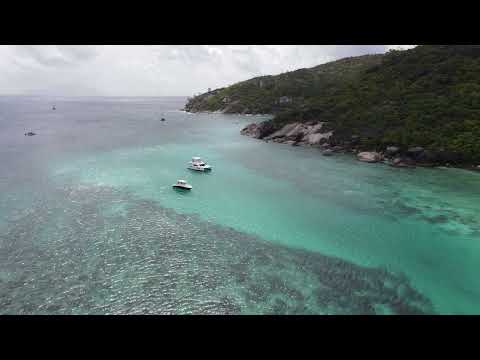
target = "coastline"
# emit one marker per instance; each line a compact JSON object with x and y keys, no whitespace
{"x":386,"y":161}
{"x":223,"y":113}
{"x":332,"y":149}
{"x":472,"y":168}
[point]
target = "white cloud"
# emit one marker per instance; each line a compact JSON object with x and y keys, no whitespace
{"x":160,"y":70}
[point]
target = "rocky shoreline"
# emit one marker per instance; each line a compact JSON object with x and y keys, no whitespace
{"x":318,"y":135}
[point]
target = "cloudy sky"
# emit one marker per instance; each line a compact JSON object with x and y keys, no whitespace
{"x":157,"y":70}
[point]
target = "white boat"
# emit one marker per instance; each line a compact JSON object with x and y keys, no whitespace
{"x":198,"y":164}
{"x":182,"y":184}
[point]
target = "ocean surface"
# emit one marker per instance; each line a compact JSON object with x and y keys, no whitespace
{"x":90,"y":224}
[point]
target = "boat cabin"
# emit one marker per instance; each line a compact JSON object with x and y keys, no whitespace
{"x":197,"y":161}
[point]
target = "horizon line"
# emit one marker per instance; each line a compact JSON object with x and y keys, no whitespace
{"x":113,"y":96}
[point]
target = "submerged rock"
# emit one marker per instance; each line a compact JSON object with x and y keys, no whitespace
{"x":402,"y":162}
{"x":369,"y":156}
{"x":396,"y":161}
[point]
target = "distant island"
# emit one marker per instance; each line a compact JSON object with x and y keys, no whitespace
{"x":411,"y":107}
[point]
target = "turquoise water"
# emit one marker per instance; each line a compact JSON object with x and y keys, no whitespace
{"x":272,"y":229}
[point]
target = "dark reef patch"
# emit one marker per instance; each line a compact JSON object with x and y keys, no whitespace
{"x":75,"y":255}
{"x":438,"y":219}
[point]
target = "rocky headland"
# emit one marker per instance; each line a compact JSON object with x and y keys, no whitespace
{"x":419,"y":107}
{"x":320,"y":135}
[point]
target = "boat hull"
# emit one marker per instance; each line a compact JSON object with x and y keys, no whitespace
{"x":200,"y":168}
{"x":182,"y":187}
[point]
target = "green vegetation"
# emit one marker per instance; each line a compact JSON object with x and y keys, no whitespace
{"x":428,"y":96}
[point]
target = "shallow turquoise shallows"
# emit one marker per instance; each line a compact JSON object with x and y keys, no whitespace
{"x":272,"y":229}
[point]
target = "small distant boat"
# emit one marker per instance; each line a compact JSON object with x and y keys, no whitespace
{"x":54,"y":108}
{"x":198,"y":164}
{"x":162,"y":119}
{"x":182,"y":184}
{"x":30,"y":133}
